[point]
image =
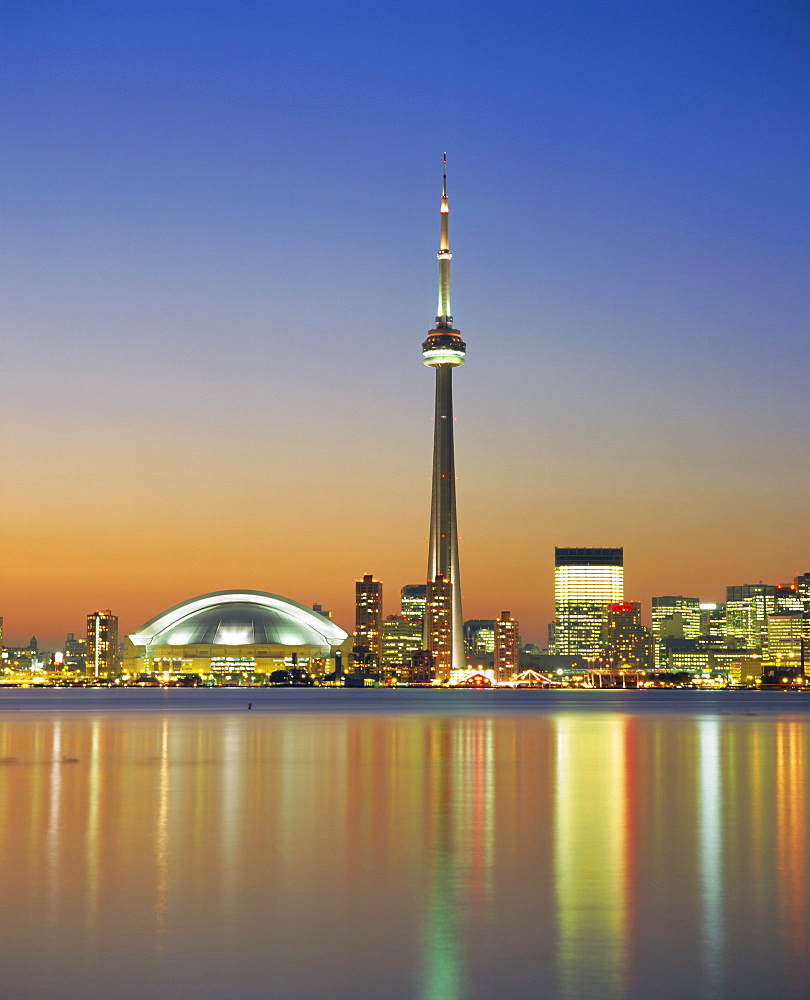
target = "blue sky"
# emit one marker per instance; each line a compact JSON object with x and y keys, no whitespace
{"x":219,"y":229}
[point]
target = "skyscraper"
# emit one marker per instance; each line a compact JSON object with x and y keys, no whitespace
{"x":412,"y":601}
{"x":673,"y":617}
{"x":102,"y":643}
{"x":586,"y":582}
{"x":439,"y":625}
{"x":368,"y":615}
{"x":444,"y":350}
{"x":506,"y":647}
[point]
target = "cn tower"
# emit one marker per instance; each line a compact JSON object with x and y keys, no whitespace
{"x":444,"y":350}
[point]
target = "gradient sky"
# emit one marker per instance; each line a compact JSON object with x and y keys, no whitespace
{"x":219,"y":226}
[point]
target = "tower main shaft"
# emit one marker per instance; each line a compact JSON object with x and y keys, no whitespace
{"x":444,"y":350}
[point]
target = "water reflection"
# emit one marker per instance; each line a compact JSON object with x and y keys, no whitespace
{"x":574,"y":855}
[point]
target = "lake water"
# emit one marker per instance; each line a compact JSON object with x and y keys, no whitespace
{"x":440,"y":845}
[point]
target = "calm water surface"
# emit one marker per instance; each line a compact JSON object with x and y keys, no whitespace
{"x":404,"y":844}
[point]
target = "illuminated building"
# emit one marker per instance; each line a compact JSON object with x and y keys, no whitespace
{"x":231,"y":635}
{"x":401,"y":638}
{"x":439,"y":626}
{"x":747,"y":610}
{"x":75,"y":653}
{"x":102,"y":643}
{"x":803,"y":590}
{"x":673,"y":618}
{"x":412,"y":602}
{"x":368,"y":614}
{"x":506,"y":647}
{"x":788,"y":639}
{"x":444,"y":350}
{"x":479,"y":636}
{"x":713,"y":620}
{"x":586,"y":581}
{"x":627,"y":642}
{"x":788,"y":598}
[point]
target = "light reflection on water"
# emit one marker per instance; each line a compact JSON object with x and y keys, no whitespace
{"x":600,"y":853}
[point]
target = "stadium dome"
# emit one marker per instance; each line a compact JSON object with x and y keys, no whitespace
{"x":240,"y":618}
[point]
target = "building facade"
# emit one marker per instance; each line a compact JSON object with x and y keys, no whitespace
{"x":586,"y":582}
{"x":102,"y":643}
{"x":507,"y":647}
{"x":368,"y":616}
{"x":673,"y":618}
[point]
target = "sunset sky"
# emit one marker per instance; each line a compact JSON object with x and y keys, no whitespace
{"x":219,"y":233}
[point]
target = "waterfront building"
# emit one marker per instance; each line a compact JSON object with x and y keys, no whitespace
{"x":368,"y":612}
{"x":412,"y":599}
{"x":439,"y":626}
{"x":236,"y":635}
{"x":747,"y":610}
{"x":101,"y":657}
{"x":788,"y":640}
{"x":627,"y":642}
{"x":803,"y":590}
{"x":713,"y":620}
{"x":401,"y":638}
{"x":507,"y":647}
{"x":444,"y":350}
{"x":74,"y":653}
{"x":479,"y":636}
{"x":672,"y":618}
{"x":586,"y":582}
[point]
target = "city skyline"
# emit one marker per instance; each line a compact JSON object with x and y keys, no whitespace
{"x":195,"y":397}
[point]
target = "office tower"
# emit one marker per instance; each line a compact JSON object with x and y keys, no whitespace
{"x":444,"y":350}
{"x":788,"y":639}
{"x":102,"y":643}
{"x":75,"y":653}
{"x":368,"y":616}
{"x":479,"y":636}
{"x":439,"y":626}
{"x":412,"y":602}
{"x":627,"y":642}
{"x":713,"y":620}
{"x":586,"y":581}
{"x":673,"y":617}
{"x":788,"y":598}
{"x":506,"y":647}
{"x":747,"y":610}
{"x":401,"y":638}
{"x":803,"y":590}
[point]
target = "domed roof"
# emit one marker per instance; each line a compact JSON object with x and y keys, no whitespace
{"x":239,"y":618}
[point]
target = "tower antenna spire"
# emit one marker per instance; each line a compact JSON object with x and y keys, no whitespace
{"x":444,"y":350}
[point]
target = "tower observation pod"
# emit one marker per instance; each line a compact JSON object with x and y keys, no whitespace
{"x":444,"y":350}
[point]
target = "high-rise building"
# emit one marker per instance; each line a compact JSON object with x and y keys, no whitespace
{"x":401,"y":638}
{"x":673,"y":618}
{"x":102,"y":643}
{"x":439,"y":625}
{"x":75,"y":653}
{"x":803,"y":590}
{"x":506,"y":647}
{"x":479,"y":636}
{"x":368,"y":616}
{"x":627,"y":642}
{"x":747,"y":610}
{"x":713,"y":620}
{"x":412,"y":602}
{"x":788,"y":640}
{"x":788,"y":598}
{"x":586,"y":581}
{"x":444,"y":350}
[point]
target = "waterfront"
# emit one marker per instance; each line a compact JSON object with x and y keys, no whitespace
{"x":442,"y":845}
